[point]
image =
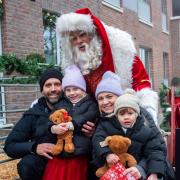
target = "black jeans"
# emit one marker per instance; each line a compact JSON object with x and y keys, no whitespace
{"x":31,"y":167}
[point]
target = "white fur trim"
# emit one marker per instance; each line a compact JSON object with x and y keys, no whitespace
{"x":73,"y":22}
{"x":149,"y":100}
{"x":123,"y":51}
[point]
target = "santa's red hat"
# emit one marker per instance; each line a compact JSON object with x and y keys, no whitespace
{"x":84,"y":20}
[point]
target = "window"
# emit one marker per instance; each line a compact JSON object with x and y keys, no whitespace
{"x":144,"y":10}
{"x":165,"y":68}
{"x":115,"y":3}
{"x":144,"y":54}
{"x":51,"y":40}
{"x":2,"y":104}
{"x":131,"y":4}
{"x":164,"y":15}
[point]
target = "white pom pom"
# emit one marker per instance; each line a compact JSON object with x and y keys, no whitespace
{"x":110,"y":75}
{"x":130,"y":91}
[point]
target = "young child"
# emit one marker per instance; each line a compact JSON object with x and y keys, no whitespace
{"x":82,"y":108}
{"x":147,"y":142}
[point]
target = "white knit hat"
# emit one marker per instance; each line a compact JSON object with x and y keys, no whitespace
{"x":73,"y":77}
{"x":127,"y":100}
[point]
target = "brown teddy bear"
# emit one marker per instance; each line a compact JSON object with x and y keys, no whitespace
{"x":118,"y":145}
{"x":64,"y":140}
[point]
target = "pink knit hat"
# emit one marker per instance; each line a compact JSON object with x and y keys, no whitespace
{"x":73,"y":77}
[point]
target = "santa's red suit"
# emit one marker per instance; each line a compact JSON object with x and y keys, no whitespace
{"x":119,"y":55}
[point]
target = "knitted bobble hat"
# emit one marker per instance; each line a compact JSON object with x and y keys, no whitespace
{"x":47,"y":74}
{"x":127,"y":100}
{"x":73,"y":77}
{"x":110,"y":83}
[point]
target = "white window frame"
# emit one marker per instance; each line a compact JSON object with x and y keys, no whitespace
{"x":164,"y":16}
{"x":110,"y":4}
{"x":58,"y":51}
{"x":144,"y":54}
{"x":141,"y":10}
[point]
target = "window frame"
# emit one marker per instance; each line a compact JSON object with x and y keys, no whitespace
{"x":144,"y":19}
{"x":164,"y":16}
{"x":146,"y":61}
{"x":109,"y":4}
{"x":57,"y":40}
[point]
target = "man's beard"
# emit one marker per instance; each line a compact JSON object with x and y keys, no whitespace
{"x":52,"y":101}
{"x":90,"y":59}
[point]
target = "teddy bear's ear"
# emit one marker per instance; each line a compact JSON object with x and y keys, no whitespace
{"x":63,"y":110}
{"x":50,"y":117}
{"x":127,"y":141}
{"x":108,"y":139}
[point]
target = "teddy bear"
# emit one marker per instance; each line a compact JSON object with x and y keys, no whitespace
{"x":119,"y":146}
{"x":64,"y":140}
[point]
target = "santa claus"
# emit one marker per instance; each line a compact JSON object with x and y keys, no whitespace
{"x":97,"y":48}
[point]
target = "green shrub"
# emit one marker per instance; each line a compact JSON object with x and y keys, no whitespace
{"x":164,"y":106}
{"x":29,"y":67}
{"x":38,"y":58}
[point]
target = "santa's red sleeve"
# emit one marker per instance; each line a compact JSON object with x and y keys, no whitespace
{"x":141,"y":84}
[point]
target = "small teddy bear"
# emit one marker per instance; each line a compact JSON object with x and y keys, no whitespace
{"x":64,"y":140}
{"x":118,"y":145}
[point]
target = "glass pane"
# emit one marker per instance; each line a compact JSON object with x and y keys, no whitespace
{"x":144,"y":10}
{"x":50,"y":42}
{"x":164,"y":22}
{"x":115,"y":3}
{"x":130,"y":4}
{"x":50,"y":45}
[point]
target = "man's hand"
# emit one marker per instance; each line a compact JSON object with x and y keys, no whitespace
{"x":45,"y":149}
{"x":88,"y":128}
{"x":133,"y":171}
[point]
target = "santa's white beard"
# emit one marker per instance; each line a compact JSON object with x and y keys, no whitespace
{"x":90,"y":59}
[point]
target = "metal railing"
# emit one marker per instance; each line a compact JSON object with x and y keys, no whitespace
{"x":15,"y":99}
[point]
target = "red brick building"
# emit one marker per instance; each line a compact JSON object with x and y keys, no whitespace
{"x":24,"y":30}
{"x":22,"y":27}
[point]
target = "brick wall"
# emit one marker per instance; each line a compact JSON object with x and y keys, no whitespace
{"x":144,"y":35}
{"x":18,"y":98}
{"x":175,"y":31}
{"x":23,"y":27}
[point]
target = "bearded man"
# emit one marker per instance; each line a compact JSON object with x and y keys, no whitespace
{"x":97,"y":48}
